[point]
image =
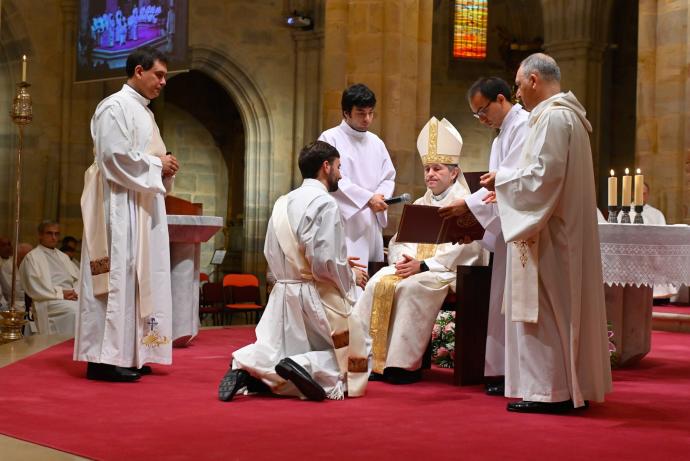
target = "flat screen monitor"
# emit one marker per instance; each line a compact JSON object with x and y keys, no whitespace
{"x":109,"y":30}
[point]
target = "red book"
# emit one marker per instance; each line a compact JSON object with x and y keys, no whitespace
{"x":423,"y":224}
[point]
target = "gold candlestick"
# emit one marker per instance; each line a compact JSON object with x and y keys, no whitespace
{"x":22,"y":114}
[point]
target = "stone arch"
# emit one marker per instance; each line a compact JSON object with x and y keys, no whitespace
{"x":256,"y":118}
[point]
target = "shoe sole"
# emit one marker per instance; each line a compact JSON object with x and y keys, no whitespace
{"x":307,"y":388}
{"x":228,"y":387}
{"x":114,"y":380}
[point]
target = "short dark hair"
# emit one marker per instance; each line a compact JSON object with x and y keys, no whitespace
{"x":67,"y":239}
{"x":490,"y":88}
{"x":312,"y":156}
{"x":145,"y":56}
{"x":357,"y":95}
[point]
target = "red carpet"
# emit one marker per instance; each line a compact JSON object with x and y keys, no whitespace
{"x":174,"y":414}
{"x":672,"y":309}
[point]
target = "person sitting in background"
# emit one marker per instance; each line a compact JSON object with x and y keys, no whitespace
{"x":70,"y":246}
{"x":6,"y":278}
{"x":401,"y":301}
{"x":50,"y":279}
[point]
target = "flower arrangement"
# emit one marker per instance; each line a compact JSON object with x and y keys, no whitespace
{"x":443,"y":340}
{"x":614,"y":356}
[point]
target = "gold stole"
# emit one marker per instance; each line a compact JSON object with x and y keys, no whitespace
{"x":384,"y":296}
{"x":95,"y":232}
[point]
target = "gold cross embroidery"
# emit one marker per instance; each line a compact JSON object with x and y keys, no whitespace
{"x":523,"y":247}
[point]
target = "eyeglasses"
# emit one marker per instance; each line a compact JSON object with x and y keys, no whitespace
{"x":482,"y":110}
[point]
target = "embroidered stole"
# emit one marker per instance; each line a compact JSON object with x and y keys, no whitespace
{"x":382,"y":306}
{"x":95,"y":233}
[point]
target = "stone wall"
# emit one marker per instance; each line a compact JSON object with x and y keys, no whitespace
{"x":663,"y":110}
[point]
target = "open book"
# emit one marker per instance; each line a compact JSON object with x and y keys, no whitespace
{"x":423,"y":224}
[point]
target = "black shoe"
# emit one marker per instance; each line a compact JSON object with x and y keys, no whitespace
{"x":111,"y":373}
{"x":257,"y":386}
{"x":526,"y":406}
{"x":495,"y":389}
{"x":289,"y":370}
{"x":233,"y":381}
{"x":144,"y":370}
{"x":376,"y":377}
{"x":395,"y":375}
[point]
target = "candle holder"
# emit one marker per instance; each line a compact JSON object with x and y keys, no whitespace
{"x":613,"y":214}
{"x":21,"y":112}
{"x":638,"y":214}
{"x":625,"y":218}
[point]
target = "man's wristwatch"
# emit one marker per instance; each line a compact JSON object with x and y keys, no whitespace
{"x":423,"y":267}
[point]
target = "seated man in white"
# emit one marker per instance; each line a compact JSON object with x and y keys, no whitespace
{"x":50,"y":279}
{"x":402,"y":300}
{"x":6,"y":277}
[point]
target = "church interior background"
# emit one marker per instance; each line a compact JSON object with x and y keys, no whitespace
{"x":258,"y":90}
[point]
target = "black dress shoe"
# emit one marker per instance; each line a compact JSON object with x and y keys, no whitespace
{"x":395,"y":375}
{"x":233,"y":381}
{"x":289,"y":370}
{"x":526,"y":406}
{"x":111,"y":373}
{"x":376,"y":377}
{"x":495,"y":389}
{"x":144,"y":370}
{"x":257,"y":386}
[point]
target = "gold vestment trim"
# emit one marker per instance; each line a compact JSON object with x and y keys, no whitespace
{"x":384,"y":295}
{"x":340,"y":339}
{"x":357,"y":364}
{"x":425,"y":250}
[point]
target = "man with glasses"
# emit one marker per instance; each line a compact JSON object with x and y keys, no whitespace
{"x":368,"y":175}
{"x":490,"y":102}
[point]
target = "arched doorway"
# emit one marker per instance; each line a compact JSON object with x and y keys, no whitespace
{"x":203,"y":128}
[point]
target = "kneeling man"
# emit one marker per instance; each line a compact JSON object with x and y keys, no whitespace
{"x":308,"y":343}
{"x":403,"y":299}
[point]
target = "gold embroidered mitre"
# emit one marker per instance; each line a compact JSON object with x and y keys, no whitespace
{"x":439,"y":142}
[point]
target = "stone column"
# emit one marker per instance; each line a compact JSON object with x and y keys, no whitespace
{"x":387,"y":46}
{"x":576,"y":35}
{"x":58,"y":199}
{"x":307,"y":115}
{"x":663,"y":105}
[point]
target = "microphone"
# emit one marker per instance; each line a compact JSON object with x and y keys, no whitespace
{"x":398,"y":199}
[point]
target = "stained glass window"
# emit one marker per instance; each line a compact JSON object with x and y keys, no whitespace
{"x":469,"y":30}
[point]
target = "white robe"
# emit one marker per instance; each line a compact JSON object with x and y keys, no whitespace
{"x":109,"y":328}
{"x":295,"y":323}
{"x":556,"y":334}
{"x":505,"y":153}
{"x":418,"y":298}
{"x":366,"y":170}
{"x":45,"y":273}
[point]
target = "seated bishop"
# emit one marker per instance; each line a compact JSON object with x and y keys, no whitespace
{"x":402,"y":300}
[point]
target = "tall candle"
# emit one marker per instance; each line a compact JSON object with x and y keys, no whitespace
{"x":639,"y":188}
{"x":24,"y":68}
{"x":626,"y":196}
{"x":613,"y":190}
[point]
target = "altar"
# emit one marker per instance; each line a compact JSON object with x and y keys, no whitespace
{"x":634,"y":258}
{"x":187,"y":232}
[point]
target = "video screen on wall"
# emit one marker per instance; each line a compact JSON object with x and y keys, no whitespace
{"x":109,"y":30}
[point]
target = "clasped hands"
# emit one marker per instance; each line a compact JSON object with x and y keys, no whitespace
{"x":361,"y":276}
{"x":170,"y":165}
{"x":70,"y":295}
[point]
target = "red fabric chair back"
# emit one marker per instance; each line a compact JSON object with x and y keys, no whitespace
{"x":241,"y":280}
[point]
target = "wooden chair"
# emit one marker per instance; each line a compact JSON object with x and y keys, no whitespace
{"x":211,"y":302}
{"x":241,"y":293}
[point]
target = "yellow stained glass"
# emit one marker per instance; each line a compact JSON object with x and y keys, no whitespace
{"x":470,"y":27}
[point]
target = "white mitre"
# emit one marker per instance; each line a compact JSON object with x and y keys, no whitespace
{"x":439,"y":142}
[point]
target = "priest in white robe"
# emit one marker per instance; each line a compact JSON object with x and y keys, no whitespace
{"x":368,"y":175}
{"x":402,"y":300}
{"x":52,"y":282}
{"x":6,"y":278}
{"x":557,"y":354}
{"x":490,"y":102}
{"x":308,"y":342}
{"x":125,"y":299}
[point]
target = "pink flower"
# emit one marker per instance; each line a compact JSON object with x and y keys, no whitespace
{"x":442,"y":352}
{"x":449,"y":328}
{"x":612,"y":347}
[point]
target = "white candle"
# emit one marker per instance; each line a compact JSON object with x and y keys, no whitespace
{"x":639,"y":188}
{"x":24,"y":68}
{"x":613,"y":190}
{"x":626,"y":196}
